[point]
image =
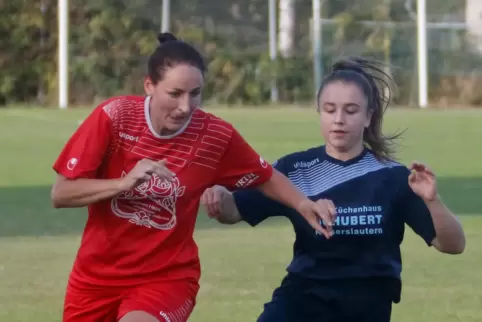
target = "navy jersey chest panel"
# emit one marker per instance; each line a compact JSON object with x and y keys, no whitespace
{"x":368,"y":225}
{"x":366,"y":207}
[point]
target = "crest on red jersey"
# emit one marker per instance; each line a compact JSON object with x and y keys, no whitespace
{"x":151,"y":204}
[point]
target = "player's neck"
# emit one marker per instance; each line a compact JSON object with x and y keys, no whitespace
{"x":159,"y":128}
{"x":344,"y":155}
{"x":157,"y":124}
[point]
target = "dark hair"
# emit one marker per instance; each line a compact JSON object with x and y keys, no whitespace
{"x":171,"y":52}
{"x":377,"y":86}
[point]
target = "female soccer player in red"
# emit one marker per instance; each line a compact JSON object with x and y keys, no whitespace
{"x":356,"y":275}
{"x":140,"y":164}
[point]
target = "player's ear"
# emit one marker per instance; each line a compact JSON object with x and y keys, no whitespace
{"x":148,"y":86}
{"x":369,"y":116}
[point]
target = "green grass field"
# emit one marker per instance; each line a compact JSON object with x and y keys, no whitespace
{"x":241,"y":265}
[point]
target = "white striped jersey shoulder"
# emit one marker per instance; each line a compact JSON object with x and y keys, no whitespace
{"x":313,"y":171}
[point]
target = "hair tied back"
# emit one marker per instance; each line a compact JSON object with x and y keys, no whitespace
{"x":165,"y":37}
{"x":348,"y":65}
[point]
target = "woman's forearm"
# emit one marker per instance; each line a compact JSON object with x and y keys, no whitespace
{"x":281,"y":189}
{"x":68,"y":193}
{"x":450,"y":236}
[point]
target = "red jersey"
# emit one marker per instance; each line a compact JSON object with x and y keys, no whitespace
{"x":147,"y":234}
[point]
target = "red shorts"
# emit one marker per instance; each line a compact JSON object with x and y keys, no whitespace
{"x":168,"y":302}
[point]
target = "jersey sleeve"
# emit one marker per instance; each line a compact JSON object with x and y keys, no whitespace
{"x":415,"y":212}
{"x":241,"y":166}
{"x":84,"y":152}
{"x":254,"y":207}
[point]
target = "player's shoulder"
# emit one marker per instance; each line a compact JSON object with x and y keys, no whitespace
{"x":211,"y":118}
{"x":116,"y":105}
{"x":395,"y":176}
{"x":393,"y":168}
{"x":213,"y":123}
{"x":398,"y":170}
{"x":300,"y":159}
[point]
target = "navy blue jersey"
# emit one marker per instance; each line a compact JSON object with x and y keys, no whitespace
{"x":373,"y":203}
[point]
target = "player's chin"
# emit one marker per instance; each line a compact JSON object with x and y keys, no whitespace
{"x":340,"y":144}
{"x":176,"y":125}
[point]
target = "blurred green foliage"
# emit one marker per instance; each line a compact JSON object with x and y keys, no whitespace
{"x":110,"y":41}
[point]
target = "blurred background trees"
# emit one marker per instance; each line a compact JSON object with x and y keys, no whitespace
{"x":111,"y":39}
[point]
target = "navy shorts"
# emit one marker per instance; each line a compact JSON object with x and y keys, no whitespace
{"x":295,"y":302}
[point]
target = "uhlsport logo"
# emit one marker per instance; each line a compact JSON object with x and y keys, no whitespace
{"x":128,"y":137}
{"x":360,"y":220}
{"x":306,"y":164}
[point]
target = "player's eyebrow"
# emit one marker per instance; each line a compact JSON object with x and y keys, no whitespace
{"x":344,"y":104}
{"x":351,"y":104}
{"x":182,"y":90}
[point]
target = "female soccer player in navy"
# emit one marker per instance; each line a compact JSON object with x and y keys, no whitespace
{"x":141,"y":164}
{"x":355,"y":273}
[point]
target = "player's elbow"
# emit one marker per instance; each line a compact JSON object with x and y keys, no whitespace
{"x":228,"y":220}
{"x":58,"y":204}
{"x":56,"y":198}
{"x":224,"y":221}
{"x":454,"y":246}
{"x":455,"y":249}
{"x":459,"y":247}
{"x":56,"y":194}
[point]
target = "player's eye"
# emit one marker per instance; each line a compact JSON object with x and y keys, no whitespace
{"x":175,"y":94}
{"x":196,"y":92}
{"x":329,"y":108}
{"x":352,"y":109}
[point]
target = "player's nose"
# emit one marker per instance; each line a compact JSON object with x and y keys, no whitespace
{"x":184,"y":108}
{"x":339,"y":117}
